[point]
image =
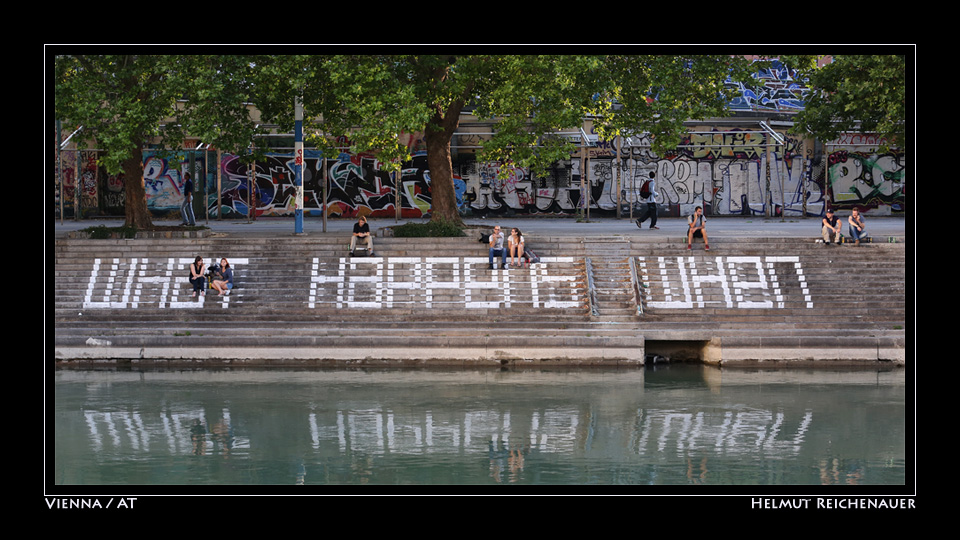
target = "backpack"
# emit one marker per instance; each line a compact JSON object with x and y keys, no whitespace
{"x":530,"y":256}
{"x":645,"y":189}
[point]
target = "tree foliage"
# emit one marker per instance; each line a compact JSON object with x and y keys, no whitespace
{"x":527,"y":99}
{"x":124,"y":101}
{"x":854,"y":93}
{"x":656,"y":94}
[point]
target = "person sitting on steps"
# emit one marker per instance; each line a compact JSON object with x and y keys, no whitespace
{"x":515,"y":243}
{"x":198,"y":276}
{"x":857,"y":226}
{"x":496,"y":247}
{"x":361,"y":232}
{"x":698,"y":228}
{"x":223,"y":278}
{"x":830,"y":228}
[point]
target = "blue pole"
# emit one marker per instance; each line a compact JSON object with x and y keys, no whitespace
{"x":298,"y":166}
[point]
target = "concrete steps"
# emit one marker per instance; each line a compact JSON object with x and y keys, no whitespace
{"x":435,"y":300}
{"x":614,"y":289}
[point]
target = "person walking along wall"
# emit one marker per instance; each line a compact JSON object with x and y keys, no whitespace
{"x":186,"y":208}
{"x":649,"y":193}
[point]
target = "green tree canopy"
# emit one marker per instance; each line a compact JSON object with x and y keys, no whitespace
{"x":123,"y":101}
{"x":854,"y":93}
{"x":527,"y":98}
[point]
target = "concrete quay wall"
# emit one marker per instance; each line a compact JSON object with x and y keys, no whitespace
{"x":607,"y":300}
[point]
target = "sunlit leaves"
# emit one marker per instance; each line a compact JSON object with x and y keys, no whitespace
{"x":854,"y":93}
{"x":658,"y":93}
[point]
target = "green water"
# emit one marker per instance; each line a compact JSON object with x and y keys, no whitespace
{"x":673,"y":426}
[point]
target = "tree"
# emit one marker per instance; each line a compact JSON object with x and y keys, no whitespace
{"x":657,"y":94}
{"x":854,"y":93}
{"x":528,"y":99}
{"x":124,"y":101}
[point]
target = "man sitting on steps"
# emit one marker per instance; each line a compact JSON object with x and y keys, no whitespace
{"x":496,"y":247}
{"x":698,"y":228}
{"x":361,"y":231}
{"x":830,"y":228}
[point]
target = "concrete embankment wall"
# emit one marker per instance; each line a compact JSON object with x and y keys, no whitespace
{"x":611,"y":301}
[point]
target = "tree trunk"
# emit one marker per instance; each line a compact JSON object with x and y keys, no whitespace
{"x":438,"y":135}
{"x":135,"y":195}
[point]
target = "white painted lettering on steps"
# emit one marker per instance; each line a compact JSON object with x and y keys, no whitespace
{"x":386,"y":282}
{"x":117,"y":284}
{"x":721,"y":282}
{"x":466,"y":282}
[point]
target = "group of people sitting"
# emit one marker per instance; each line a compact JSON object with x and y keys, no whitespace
{"x":220,"y":277}
{"x":515,"y":248}
{"x":696,"y":228}
{"x":831,"y":227}
{"x":515,"y":244}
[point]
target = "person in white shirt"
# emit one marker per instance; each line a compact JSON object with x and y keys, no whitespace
{"x":496,"y":247}
{"x":515,"y":244}
{"x":651,"y":198}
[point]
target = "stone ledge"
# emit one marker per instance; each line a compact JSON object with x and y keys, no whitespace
{"x":821,"y":350}
{"x":143,"y":235}
{"x":425,"y":354}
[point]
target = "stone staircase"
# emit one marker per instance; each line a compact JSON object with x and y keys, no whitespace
{"x":763,"y":299}
{"x":302,"y":299}
{"x":789,"y":281}
{"x":300,"y":278}
{"x":613,"y":285}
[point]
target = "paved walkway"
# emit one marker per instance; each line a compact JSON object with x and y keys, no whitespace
{"x":718,"y":227}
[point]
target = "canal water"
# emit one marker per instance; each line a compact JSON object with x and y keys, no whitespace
{"x":654,"y":426}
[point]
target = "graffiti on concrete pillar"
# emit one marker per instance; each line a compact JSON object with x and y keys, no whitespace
{"x":866,"y":179}
{"x":79,"y":177}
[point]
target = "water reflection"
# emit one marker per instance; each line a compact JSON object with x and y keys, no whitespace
{"x":679,"y":425}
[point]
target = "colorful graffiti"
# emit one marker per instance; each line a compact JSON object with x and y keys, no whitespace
{"x":866,"y":180}
{"x":356,"y":185}
{"x":79,"y":176}
{"x":776,"y":89}
{"x":728,"y":172}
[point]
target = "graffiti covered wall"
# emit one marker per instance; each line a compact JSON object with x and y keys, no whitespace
{"x":78,"y":171}
{"x":727,"y":171}
{"x":862,"y":176}
{"x":730,"y":172}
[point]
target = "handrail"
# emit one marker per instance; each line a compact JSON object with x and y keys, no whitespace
{"x":635,"y":282}
{"x":592,"y":296}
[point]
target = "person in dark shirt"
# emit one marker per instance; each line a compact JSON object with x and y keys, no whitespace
{"x":198,"y":278}
{"x":186,"y":208}
{"x":223,"y":278}
{"x":361,"y":232}
{"x":830,"y":228}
